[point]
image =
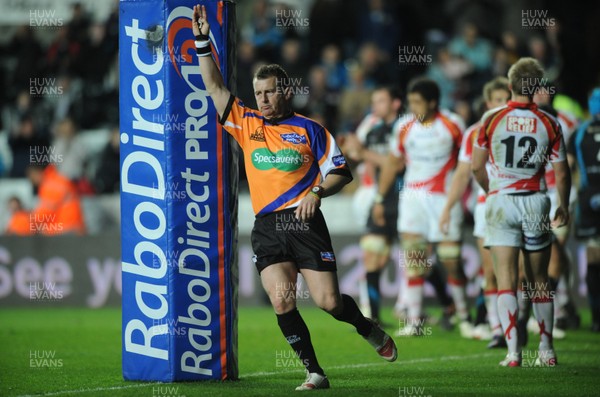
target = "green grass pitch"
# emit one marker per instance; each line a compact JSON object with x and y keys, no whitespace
{"x":85,"y":350}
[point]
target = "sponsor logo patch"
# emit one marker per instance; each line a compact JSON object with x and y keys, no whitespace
{"x":294,"y":138}
{"x":327,"y":256}
{"x":521,"y":124}
{"x":258,"y":135}
{"x":338,"y":160}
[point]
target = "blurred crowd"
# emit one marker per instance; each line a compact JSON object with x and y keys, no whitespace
{"x":60,"y":93}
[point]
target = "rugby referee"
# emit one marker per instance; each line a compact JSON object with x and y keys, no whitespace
{"x":292,"y":162}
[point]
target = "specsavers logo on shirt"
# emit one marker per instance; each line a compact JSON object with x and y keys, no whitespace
{"x":283,"y":160}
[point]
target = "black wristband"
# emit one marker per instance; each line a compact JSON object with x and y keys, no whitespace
{"x":204,"y":51}
{"x":202,"y":37}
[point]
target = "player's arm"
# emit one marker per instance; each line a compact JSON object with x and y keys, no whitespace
{"x":460,"y":181}
{"x":332,"y":184}
{"x":480,"y":157}
{"x":211,"y":76}
{"x":373,"y":157}
{"x":387,"y":176}
{"x":563,"y":188}
{"x":356,"y":151}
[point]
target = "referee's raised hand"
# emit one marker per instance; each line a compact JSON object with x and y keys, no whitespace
{"x":200,"y":24}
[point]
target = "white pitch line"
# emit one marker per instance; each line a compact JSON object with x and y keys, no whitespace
{"x":255,"y":374}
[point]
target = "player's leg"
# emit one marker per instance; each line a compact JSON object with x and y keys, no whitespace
{"x":449,"y":254}
{"x":524,"y":304}
{"x":592,"y":280}
{"x":316,"y":260}
{"x":536,"y":268}
{"x":565,"y":310}
{"x":537,"y":238}
{"x":324,"y":289}
{"x":448,"y":250}
{"x":556,"y":268}
{"x":436,"y":277}
{"x":505,"y":261}
{"x":504,"y":237}
{"x":490,"y":293}
{"x":376,"y":254}
{"x":413,"y":257}
{"x":415,"y":261}
{"x":279,"y":281}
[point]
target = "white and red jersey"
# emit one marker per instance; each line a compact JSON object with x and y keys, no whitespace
{"x":520,"y":140}
{"x":430,"y":150}
{"x":465,"y":155}
{"x":568,"y":124}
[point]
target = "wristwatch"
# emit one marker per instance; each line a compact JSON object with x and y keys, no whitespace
{"x":318,"y":190}
{"x":378,"y":199}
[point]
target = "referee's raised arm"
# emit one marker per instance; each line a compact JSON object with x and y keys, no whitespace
{"x":213,"y":81}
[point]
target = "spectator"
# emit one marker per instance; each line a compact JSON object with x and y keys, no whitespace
{"x":447,"y":71}
{"x":378,"y":26}
{"x":245,"y":65}
{"x":19,"y":223}
{"x":107,"y":176}
{"x":320,"y":99}
{"x":336,"y":74}
{"x":62,"y":53}
{"x":262,"y":32}
{"x":25,"y":143}
{"x":292,"y":60}
{"x":59,"y":209}
{"x":72,"y":154}
{"x":28,"y":53}
{"x":355,"y":100}
{"x":375,"y":70}
{"x":474,"y":49}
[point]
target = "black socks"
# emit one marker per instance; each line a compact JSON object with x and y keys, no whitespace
{"x":296,"y":332}
{"x":352,"y":315}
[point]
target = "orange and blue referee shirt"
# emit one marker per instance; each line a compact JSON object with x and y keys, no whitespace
{"x":284,"y":158}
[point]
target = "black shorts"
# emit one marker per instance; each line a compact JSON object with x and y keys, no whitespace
{"x":279,"y":237}
{"x":390,"y":212}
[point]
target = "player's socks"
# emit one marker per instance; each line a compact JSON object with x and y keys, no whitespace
{"x":480,"y":306}
{"x":374,"y":293}
{"x":592,"y":279}
{"x":524,"y":304}
{"x":414,"y":300}
{"x":543,"y":310}
{"x":363,"y":297}
{"x":352,"y":315}
{"x":296,"y":333}
{"x":457,"y":290}
{"x":507,"y":312}
{"x":437,"y":281}
{"x":554,"y":287}
{"x":491,"y":305}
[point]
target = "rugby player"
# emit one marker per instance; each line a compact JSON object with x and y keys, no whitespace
{"x":427,"y":146}
{"x":370,"y":147}
{"x":518,"y":139}
{"x":584,"y":154}
{"x":495,"y":94}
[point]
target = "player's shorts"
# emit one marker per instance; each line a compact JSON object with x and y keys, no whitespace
{"x":587,"y":214}
{"x":479,"y":220}
{"x":518,"y":220}
{"x":390,"y":212}
{"x":280,"y":237}
{"x":420,"y":213}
